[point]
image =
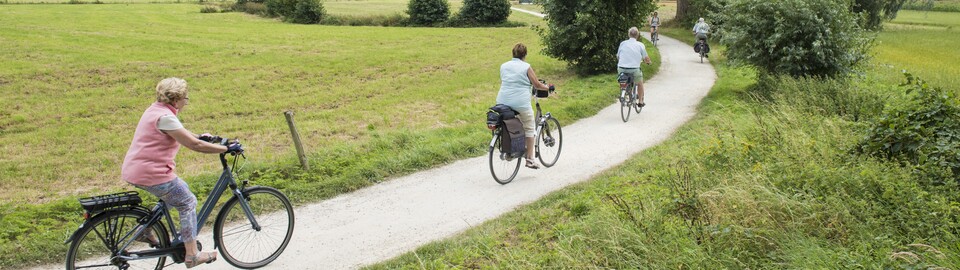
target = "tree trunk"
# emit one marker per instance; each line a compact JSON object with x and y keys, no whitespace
{"x":682,"y":7}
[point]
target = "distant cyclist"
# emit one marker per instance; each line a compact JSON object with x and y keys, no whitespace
{"x":629,"y":57}
{"x":516,"y":78}
{"x":654,"y":24}
{"x":701,"y":29}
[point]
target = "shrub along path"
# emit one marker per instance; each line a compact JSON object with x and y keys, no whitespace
{"x":386,"y":220}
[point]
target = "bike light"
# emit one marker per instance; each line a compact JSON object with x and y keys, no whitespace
{"x":623,"y":85}
{"x":86,"y":216}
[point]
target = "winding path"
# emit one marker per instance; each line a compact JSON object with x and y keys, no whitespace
{"x":397,"y":216}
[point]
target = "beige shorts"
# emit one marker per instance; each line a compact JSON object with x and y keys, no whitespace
{"x":529,"y":127}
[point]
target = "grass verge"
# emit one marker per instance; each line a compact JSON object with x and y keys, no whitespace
{"x":760,"y":178}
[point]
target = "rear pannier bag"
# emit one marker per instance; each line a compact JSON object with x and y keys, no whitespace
{"x":512,"y":137}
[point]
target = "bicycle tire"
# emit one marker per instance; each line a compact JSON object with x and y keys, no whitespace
{"x":270,"y":207}
{"x":90,"y":248}
{"x":636,"y":104}
{"x":551,"y":137}
{"x":625,"y":105}
{"x":498,"y":162}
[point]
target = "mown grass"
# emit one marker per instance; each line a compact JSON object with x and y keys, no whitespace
{"x":938,"y":5}
{"x":370,"y":102}
{"x":761,"y":178}
{"x":922,"y":43}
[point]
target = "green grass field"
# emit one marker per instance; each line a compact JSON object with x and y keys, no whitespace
{"x":922,"y":43}
{"x":750,"y":183}
{"x":370,"y":102}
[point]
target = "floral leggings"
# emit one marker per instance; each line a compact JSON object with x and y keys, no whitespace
{"x":177,"y":194}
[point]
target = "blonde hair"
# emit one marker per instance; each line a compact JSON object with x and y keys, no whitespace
{"x":171,"y":90}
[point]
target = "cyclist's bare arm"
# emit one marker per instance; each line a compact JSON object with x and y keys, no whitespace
{"x":188,"y":139}
{"x":533,"y":80}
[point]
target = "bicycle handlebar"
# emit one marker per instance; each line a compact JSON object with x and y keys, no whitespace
{"x":238,"y":149}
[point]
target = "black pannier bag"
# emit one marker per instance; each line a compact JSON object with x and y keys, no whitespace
{"x":498,"y":113}
{"x":512,"y":137}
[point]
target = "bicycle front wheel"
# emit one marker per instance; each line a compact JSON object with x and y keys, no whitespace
{"x":550,"y":141}
{"x":627,"y":102}
{"x":241,"y":243}
{"x":503,"y":166}
{"x":98,"y":241}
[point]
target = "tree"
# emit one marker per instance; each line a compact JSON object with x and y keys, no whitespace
{"x":485,"y":11}
{"x":586,"y":34}
{"x":794,"y":37}
{"x":428,"y":12}
{"x":874,"y":12}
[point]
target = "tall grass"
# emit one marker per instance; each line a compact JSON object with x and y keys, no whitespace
{"x":762,"y":178}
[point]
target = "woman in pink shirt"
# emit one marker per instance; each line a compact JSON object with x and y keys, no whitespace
{"x":149,"y":162}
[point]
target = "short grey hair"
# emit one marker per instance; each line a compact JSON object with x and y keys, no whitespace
{"x":171,"y":90}
{"x":634,"y":32}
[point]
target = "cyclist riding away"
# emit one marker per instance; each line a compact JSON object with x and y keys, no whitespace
{"x":629,"y":56}
{"x":701,"y":29}
{"x":516,"y":78}
{"x":149,"y":163}
{"x":654,"y":24}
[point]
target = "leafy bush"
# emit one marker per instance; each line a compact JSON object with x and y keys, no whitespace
{"x":296,"y":11}
{"x":585,"y":34}
{"x":925,"y":133}
{"x":428,"y":12}
{"x":794,"y":37}
{"x":209,"y":9}
{"x":485,"y":12}
{"x":874,"y":12}
{"x":307,"y":12}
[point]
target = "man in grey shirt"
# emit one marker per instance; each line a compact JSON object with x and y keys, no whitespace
{"x":629,"y":57}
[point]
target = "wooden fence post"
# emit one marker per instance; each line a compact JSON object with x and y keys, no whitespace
{"x":296,"y":141}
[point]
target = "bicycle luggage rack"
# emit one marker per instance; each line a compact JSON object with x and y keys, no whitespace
{"x":99,"y":203}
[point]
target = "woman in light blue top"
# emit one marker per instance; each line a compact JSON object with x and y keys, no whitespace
{"x":516,"y":79}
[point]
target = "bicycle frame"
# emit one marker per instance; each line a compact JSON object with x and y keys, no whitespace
{"x":160,"y":211}
{"x":541,"y":119}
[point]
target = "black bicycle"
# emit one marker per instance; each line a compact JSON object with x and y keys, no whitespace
{"x":629,"y":100}
{"x":251,"y":230}
{"x":549,"y":140}
{"x":702,"y":44}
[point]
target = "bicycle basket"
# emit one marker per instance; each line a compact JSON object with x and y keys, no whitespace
{"x":99,"y":203}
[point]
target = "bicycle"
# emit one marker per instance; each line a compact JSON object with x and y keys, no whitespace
{"x":628,"y":98}
{"x":654,"y":37}
{"x":114,"y":231}
{"x":703,"y":50}
{"x":549,"y":141}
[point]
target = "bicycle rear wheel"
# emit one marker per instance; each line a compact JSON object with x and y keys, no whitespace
{"x":503,"y":167}
{"x":625,"y":104}
{"x":247,"y":247}
{"x":636,"y":104}
{"x":98,"y":241}
{"x":549,"y":142}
